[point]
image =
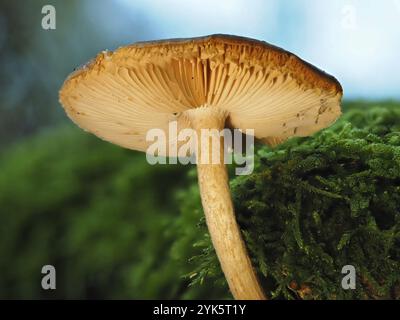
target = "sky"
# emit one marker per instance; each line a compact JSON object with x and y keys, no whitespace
{"x":357,"y":41}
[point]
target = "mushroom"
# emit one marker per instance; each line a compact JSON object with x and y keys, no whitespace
{"x":208,"y":82}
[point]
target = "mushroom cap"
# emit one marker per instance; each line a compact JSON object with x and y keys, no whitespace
{"x":120,"y":95}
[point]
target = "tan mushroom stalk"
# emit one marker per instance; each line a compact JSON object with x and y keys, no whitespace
{"x":211,"y":82}
{"x":218,"y":208}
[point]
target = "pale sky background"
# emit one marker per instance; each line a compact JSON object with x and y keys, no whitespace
{"x":357,"y":41}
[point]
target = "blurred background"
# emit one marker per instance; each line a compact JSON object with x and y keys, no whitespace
{"x":109,"y":222}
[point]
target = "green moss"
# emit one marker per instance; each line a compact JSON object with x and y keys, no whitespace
{"x":116,"y":227}
{"x":316,"y":204}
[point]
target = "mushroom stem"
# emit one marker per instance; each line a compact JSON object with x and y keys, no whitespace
{"x":218,"y":207}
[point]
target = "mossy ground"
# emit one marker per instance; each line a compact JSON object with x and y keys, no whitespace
{"x":314,"y":205}
{"x":116,"y":227}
